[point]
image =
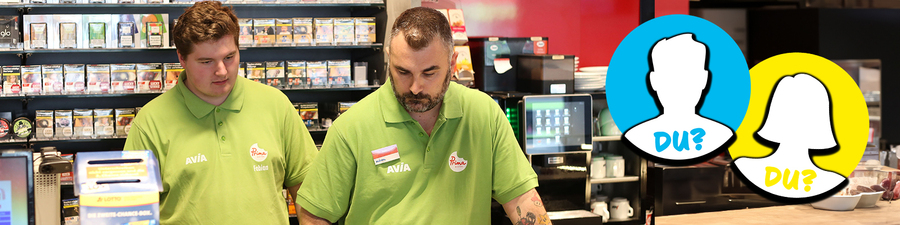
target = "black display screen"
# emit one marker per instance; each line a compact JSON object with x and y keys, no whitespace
{"x":557,"y":123}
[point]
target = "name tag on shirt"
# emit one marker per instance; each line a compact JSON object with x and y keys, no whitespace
{"x":386,"y":154}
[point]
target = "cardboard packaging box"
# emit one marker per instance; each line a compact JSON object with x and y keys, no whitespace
{"x":296,"y":75}
{"x":172,"y":71}
{"x":275,"y":74}
{"x":53,"y":78}
{"x":118,"y":187}
{"x":74,"y":78}
{"x":149,"y":77}
{"x":31,"y":79}
{"x":123,"y":77}
{"x":458,"y":26}
{"x":12,"y":83}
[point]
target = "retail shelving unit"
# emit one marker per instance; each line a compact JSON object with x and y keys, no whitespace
{"x":27,"y":104}
{"x":633,"y":186}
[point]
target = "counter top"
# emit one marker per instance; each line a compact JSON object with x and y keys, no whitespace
{"x":882,"y":213}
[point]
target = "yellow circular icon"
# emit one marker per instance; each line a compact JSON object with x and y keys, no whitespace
{"x":849,"y":117}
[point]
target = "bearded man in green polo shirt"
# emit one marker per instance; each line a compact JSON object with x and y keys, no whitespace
{"x":420,"y":149}
{"x":226,"y":146}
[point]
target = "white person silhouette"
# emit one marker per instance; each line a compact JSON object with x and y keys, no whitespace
{"x":798,"y":118}
{"x":678,"y":80}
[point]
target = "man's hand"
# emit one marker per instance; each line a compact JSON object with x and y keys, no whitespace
{"x":527,"y":209}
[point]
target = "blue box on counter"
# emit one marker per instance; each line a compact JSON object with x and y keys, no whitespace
{"x":118,"y":187}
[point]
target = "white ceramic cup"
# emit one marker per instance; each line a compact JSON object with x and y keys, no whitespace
{"x":600,"y":208}
{"x":598,"y":168}
{"x":619,"y":209}
{"x":615,"y":166}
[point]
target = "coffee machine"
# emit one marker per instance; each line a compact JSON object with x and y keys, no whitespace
{"x":556,"y":138}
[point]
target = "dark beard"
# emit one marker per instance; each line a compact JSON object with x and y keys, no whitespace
{"x":421,"y":102}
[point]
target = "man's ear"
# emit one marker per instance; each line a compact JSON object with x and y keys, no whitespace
{"x":181,"y":59}
{"x":453,"y":60}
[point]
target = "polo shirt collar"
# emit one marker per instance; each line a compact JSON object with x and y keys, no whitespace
{"x":200,"y":108}
{"x":393,"y":112}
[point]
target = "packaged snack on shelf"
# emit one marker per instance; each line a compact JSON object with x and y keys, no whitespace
{"x":154,"y":29}
{"x":309,"y":112}
{"x":264,"y":31}
{"x":43,"y":123}
{"x":458,"y":26}
{"x":246,"y":36}
{"x":96,"y":31}
{"x":343,"y":31}
{"x":172,"y":71}
{"x":256,"y":71}
{"x":103,"y":123}
{"x":124,"y":116}
{"x":74,"y":78}
{"x":463,"y":69}
{"x":275,"y":74}
{"x":242,"y":70}
{"x":31,"y":79}
{"x":84,"y":123}
{"x":68,"y":30}
{"x":339,"y":73}
{"x":365,"y":30}
{"x":303,"y":29}
{"x":9,"y":25}
{"x":97,"y":78}
{"x":149,"y":77}
{"x":296,"y":75}
{"x":53,"y":78}
{"x":63,"y":124}
{"x":324,"y":31}
{"x":284,"y":32}
{"x":12,"y":84}
{"x":39,"y":31}
{"x":317,"y":71}
{"x":123,"y":77}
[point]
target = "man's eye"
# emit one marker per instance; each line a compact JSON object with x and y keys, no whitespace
{"x":204,"y":62}
{"x":429,"y":74}
{"x":403,"y":72}
{"x":229,"y":57}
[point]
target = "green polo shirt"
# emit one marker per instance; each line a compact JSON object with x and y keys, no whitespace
{"x":426,"y":185}
{"x":225,"y":164}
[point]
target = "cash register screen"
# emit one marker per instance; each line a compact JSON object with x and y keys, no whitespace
{"x":557,"y":123}
{"x":16,"y":195}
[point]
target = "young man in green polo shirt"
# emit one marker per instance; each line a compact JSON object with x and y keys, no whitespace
{"x":420,"y":149}
{"x":226,"y":146}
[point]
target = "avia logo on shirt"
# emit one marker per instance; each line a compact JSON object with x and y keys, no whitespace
{"x":402,"y":167}
{"x":195,"y":159}
{"x":457,"y":164}
{"x":258,"y":154}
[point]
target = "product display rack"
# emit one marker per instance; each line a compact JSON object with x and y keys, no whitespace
{"x":25,"y":105}
{"x":633,"y":186}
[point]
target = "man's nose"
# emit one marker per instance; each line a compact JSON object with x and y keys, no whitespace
{"x":418,"y":85}
{"x":221,"y":69}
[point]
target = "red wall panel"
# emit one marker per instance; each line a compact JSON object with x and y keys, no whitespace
{"x":589,"y":29}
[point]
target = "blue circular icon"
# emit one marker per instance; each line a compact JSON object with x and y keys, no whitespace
{"x":631,"y":98}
